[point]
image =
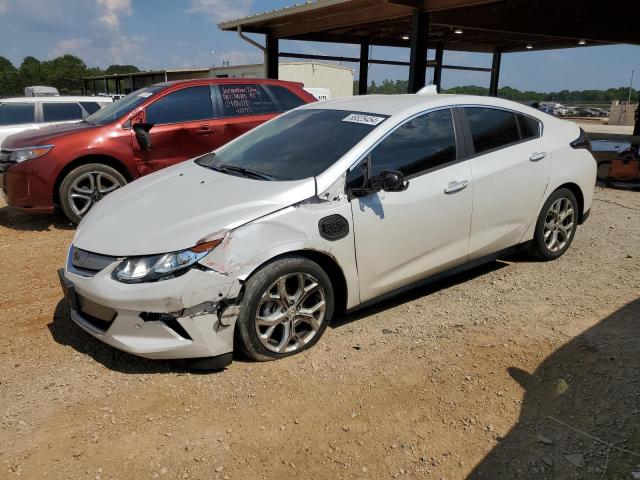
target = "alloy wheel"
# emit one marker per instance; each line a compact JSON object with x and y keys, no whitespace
{"x":290,"y":313}
{"x":89,"y":188}
{"x":559,"y":224}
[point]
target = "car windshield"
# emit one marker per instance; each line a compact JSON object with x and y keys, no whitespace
{"x":117,"y":109}
{"x":294,"y":146}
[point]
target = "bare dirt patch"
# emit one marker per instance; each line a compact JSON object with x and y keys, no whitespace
{"x":457,"y":379}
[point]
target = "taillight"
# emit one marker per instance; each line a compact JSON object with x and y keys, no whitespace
{"x":582,"y":141}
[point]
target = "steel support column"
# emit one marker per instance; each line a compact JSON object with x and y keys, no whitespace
{"x":419,"y":45}
{"x":495,"y":74}
{"x":437,"y":72}
{"x":363,"y":74}
{"x":271,"y":59}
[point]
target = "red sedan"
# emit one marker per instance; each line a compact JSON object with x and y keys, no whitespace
{"x":75,"y":165}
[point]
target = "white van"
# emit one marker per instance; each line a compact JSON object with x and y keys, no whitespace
{"x":40,"y":91}
{"x":319,"y":93}
{"x":24,"y":113}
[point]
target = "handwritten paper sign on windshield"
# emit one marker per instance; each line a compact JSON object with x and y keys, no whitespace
{"x":239,"y":99}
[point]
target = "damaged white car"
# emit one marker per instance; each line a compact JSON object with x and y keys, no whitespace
{"x":318,"y":211}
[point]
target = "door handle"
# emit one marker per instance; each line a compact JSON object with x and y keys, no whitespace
{"x":537,"y":156}
{"x":204,"y":130}
{"x":454,"y":187}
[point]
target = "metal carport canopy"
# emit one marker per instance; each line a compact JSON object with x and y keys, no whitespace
{"x":490,"y":26}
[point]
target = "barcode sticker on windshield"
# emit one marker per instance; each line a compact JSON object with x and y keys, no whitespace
{"x":145,"y":94}
{"x":364,"y":119}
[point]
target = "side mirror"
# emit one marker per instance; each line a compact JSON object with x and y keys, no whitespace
{"x":392,"y":181}
{"x":142,"y":134}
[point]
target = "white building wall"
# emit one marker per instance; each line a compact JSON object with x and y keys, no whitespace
{"x":339,"y":80}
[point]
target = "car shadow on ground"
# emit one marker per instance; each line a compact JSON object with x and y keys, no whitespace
{"x":15,"y":219}
{"x":585,"y":393}
{"x":65,"y":332}
{"x":422,"y":289}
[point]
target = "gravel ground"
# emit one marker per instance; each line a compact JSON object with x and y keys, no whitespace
{"x":489,"y":374}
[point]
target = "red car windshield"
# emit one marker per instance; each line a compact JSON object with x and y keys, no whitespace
{"x":121,"y":107}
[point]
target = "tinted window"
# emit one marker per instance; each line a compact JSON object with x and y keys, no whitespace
{"x":529,"y":127}
{"x":286,"y":98}
{"x":186,"y":105}
{"x":296,"y":145}
{"x":59,"y":112}
{"x":16,"y":113}
{"x":491,"y":128}
{"x":245,"y":99}
{"x":420,"y":144}
{"x":91,"y":107}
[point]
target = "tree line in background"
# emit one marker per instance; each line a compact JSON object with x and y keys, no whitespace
{"x":64,"y":72}
{"x":590,"y":96}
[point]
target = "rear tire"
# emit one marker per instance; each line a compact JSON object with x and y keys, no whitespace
{"x":286,"y":308}
{"x":556,"y":225}
{"x":85,"y":185}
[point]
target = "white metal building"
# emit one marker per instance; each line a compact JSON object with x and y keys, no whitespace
{"x":338,"y":79}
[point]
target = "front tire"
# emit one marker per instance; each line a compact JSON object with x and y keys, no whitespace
{"x":556,"y":225}
{"x":286,"y":308}
{"x":85,"y":185}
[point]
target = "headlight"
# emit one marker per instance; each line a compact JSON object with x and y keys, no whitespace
{"x":29,"y":153}
{"x":163,"y":266}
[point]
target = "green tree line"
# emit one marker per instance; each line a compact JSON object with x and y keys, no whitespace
{"x":594,"y":96}
{"x":64,"y":72}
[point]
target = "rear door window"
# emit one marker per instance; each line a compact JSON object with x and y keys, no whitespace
{"x":529,"y":127}
{"x":285,"y":97}
{"x":61,"y":111}
{"x":186,"y":105}
{"x":16,"y":113}
{"x":491,"y":128}
{"x":245,"y":99}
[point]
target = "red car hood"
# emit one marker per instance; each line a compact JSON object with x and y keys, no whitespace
{"x":45,"y":135}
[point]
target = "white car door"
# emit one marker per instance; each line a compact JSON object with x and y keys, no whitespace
{"x":401,"y":237}
{"x":510,"y":169}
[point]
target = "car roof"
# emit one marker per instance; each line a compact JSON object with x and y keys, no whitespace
{"x":56,"y":99}
{"x":409,"y":104}
{"x":215,"y":81}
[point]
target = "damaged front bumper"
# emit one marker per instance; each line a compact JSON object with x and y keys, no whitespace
{"x":187,"y":317}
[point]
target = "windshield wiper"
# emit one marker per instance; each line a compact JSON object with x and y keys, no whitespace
{"x":205,"y":160}
{"x":244,"y":171}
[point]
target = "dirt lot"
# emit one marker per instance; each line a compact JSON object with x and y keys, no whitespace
{"x":463,"y":378}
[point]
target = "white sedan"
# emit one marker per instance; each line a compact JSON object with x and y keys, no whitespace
{"x":316,"y":212}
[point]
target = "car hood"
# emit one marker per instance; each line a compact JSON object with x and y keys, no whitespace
{"x":44,"y":135}
{"x":173,"y":209}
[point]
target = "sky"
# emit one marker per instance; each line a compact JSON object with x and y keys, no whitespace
{"x":156,"y":34}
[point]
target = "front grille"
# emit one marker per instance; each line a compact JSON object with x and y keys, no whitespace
{"x":99,"y":316}
{"x":4,"y":160}
{"x":87,"y":263}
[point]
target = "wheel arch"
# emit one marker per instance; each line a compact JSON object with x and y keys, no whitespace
{"x":577,"y":191}
{"x":328,"y":264}
{"x":85,"y":160}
